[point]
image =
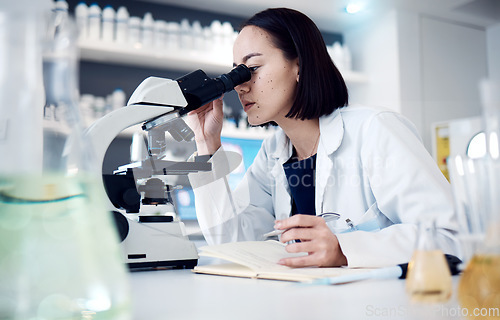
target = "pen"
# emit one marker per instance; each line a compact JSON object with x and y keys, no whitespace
{"x":350,"y":224}
{"x":396,"y":272}
{"x":330,"y":216}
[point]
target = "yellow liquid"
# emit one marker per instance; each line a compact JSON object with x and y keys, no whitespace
{"x":479,"y":287}
{"x":428,"y":279}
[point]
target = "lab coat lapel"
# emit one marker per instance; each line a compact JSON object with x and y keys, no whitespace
{"x":331,"y":134}
{"x":283,"y":152}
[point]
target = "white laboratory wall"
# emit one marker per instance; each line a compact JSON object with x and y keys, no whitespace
{"x":409,"y":45}
{"x":423,"y":67}
{"x":493,"y":40}
{"x":374,"y":49}
{"x":454,"y":60}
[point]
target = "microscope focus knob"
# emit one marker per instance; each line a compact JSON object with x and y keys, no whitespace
{"x":121,"y":225}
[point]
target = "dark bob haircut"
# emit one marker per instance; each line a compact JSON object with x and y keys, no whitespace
{"x":321,"y":88}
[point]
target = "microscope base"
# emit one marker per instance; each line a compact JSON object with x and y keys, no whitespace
{"x":158,"y":244}
{"x":181,"y":264}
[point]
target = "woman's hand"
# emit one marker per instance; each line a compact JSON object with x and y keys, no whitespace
{"x":206,"y":123}
{"x":315,"y":238}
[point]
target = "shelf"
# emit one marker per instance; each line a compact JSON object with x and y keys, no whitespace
{"x":180,"y":60}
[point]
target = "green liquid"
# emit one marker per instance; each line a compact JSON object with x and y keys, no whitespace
{"x":59,"y":251}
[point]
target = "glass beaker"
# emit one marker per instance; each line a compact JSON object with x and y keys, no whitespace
{"x":467,"y":178}
{"x":479,"y":286}
{"x":59,"y":250}
{"x":428,"y":279}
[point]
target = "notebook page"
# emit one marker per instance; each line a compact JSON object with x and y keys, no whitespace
{"x":257,"y":255}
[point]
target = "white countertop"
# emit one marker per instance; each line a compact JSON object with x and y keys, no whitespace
{"x":183,"y":295}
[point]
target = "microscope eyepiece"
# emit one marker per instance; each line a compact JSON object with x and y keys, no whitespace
{"x":199,"y":89}
{"x":235,"y":77}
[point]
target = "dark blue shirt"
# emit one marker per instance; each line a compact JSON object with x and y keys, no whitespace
{"x":301,"y":180}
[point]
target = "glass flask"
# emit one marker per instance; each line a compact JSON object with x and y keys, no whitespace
{"x":479,"y":286}
{"x":428,"y":279}
{"x":59,"y":250}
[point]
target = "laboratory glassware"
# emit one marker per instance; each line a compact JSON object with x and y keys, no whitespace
{"x":59,"y":250}
{"x":428,"y":279}
{"x":479,"y":286}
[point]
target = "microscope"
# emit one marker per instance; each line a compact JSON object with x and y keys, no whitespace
{"x":135,"y":190}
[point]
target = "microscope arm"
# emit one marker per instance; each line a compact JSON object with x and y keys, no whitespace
{"x":153,"y":98}
{"x":102,"y":132}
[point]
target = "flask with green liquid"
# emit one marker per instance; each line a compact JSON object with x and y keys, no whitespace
{"x":59,"y":250}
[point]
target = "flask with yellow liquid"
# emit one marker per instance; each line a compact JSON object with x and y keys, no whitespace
{"x":479,"y":286}
{"x":429,"y":278}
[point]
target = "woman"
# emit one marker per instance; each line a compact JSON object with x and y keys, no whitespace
{"x":368,"y":165}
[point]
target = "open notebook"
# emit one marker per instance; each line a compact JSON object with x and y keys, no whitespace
{"x":259,"y":259}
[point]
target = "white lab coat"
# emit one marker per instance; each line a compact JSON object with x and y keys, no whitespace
{"x":372,"y":168}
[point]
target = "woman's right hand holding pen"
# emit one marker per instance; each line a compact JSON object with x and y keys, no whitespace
{"x":317,"y":240}
{"x":206,"y":123}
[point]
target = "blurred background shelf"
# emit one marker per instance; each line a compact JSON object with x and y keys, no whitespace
{"x":173,"y":59}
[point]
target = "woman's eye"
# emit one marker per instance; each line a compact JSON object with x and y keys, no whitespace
{"x":253,"y":69}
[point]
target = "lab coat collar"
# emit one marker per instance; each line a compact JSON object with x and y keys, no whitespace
{"x":283,"y":150}
{"x":331,"y":128}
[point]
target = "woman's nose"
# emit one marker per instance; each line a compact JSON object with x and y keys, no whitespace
{"x":244,"y":87}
